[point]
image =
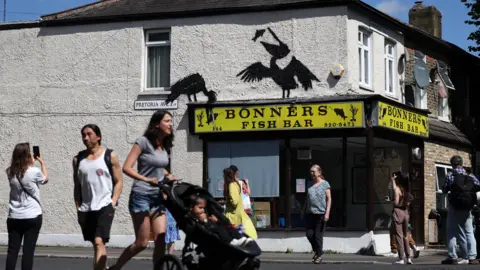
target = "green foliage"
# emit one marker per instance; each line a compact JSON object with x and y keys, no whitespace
{"x":474,"y":13}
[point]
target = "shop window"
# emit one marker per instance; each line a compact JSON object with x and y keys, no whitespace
{"x":365,"y":57}
{"x":259,"y":162}
{"x":157,"y":59}
{"x":390,"y":78}
{"x":440,"y":176}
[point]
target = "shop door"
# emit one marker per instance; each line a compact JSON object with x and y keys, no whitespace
{"x":417,"y":206}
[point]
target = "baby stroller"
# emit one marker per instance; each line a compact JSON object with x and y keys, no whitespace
{"x":210,"y":252}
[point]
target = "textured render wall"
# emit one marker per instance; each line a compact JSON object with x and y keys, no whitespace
{"x":437,"y":154}
{"x":379,"y":35}
{"x":55,"y":80}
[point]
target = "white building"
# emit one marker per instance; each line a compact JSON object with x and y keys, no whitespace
{"x":92,"y":63}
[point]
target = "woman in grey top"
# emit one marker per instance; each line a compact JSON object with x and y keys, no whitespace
{"x":317,"y":208}
{"x":150,"y":151}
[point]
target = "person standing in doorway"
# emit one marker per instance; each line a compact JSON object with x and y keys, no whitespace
{"x":25,"y":211}
{"x":462,"y":187}
{"x":150,"y":152}
{"x":401,"y":202}
{"x":98,"y":183}
{"x":317,"y":208}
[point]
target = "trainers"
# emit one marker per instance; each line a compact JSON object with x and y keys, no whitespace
{"x":416,"y":254}
{"x":463,"y":261}
{"x":318,"y":260}
{"x":450,"y":261}
{"x":409,"y":261}
{"x":314,"y":257}
{"x":399,"y":262}
{"x":474,"y":261}
{"x":241,"y":242}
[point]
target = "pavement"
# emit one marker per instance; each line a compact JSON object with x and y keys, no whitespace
{"x":432,"y":257}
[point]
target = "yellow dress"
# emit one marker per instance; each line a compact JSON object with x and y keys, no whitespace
{"x":236,"y":214}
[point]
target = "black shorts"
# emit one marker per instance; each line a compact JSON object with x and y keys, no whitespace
{"x":97,"y":223}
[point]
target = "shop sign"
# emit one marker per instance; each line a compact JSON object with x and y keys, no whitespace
{"x":393,"y":117}
{"x":279,"y":117}
{"x":154,"y":104}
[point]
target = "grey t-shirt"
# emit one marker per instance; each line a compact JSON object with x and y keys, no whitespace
{"x":150,"y":163}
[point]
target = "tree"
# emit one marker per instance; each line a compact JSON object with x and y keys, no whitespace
{"x":474,"y":13}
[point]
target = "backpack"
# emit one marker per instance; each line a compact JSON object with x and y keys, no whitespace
{"x":107,"y":158}
{"x":462,"y":193}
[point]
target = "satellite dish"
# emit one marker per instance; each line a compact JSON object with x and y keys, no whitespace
{"x":420,"y":70}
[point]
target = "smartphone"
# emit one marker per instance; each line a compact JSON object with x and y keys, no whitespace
{"x":36,"y":151}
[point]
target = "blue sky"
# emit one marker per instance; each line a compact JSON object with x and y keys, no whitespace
{"x":454,"y":13}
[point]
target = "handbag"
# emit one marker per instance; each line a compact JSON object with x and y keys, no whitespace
{"x":28,"y":193}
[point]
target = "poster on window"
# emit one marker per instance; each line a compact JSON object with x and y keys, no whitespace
{"x":300,"y":185}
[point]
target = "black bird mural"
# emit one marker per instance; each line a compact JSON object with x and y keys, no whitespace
{"x":190,"y":85}
{"x":285,"y":78}
{"x":258,"y":34}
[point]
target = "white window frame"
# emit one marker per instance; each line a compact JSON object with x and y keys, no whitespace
{"x":423,"y":92}
{"x":439,"y":191}
{"x":443,"y":109}
{"x":390,"y":58}
{"x":148,"y":44}
{"x":363,"y":48}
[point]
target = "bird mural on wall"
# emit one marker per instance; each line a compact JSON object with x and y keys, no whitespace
{"x":191,"y":85}
{"x":285,"y":78}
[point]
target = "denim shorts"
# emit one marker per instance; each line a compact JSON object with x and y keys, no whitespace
{"x":145,"y":203}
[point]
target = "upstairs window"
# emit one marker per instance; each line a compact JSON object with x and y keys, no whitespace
{"x":390,"y":78}
{"x":422,"y":79}
{"x":365,"y":57}
{"x":157,"y":59}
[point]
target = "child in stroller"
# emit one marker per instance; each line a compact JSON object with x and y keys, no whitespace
{"x":227,"y":234}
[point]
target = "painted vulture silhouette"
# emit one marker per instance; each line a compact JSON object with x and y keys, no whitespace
{"x":190,"y":85}
{"x":285,"y":78}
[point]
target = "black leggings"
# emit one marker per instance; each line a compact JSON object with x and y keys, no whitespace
{"x":28,"y":230}
{"x":315,"y":228}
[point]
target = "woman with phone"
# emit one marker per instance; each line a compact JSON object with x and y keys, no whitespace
{"x":25,"y":211}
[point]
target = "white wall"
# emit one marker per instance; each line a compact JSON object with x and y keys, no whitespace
{"x":55,"y":80}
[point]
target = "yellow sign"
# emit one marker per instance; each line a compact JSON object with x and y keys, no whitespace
{"x":279,"y":117}
{"x":393,"y":117}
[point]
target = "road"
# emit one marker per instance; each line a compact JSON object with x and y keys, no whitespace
{"x":44,"y":263}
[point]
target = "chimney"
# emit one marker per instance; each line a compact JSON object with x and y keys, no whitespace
{"x":427,"y":18}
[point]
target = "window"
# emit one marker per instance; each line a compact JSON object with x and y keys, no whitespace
{"x":443,"y":71}
{"x":390,"y":81}
{"x":441,"y":174}
{"x":157,"y":60}
{"x":420,"y":92}
{"x":364,"y":57}
{"x":443,"y":109}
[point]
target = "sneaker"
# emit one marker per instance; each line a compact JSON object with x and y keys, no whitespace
{"x":474,"y":261}
{"x":416,"y":253}
{"x":463,"y":261}
{"x":318,"y":260}
{"x":409,"y":261}
{"x":399,"y":262}
{"x":314,"y":257}
{"x":241,"y":242}
{"x":450,"y":261}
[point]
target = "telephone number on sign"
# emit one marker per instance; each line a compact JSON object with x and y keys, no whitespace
{"x":340,"y":124}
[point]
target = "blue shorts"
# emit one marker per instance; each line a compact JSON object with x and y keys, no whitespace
{"x":145,"y":203}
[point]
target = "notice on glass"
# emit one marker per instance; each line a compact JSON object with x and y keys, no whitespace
{"x":220,"y":185}
{"x":300,"y":185}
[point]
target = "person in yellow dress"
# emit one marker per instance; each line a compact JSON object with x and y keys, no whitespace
{"x":234,"y":206}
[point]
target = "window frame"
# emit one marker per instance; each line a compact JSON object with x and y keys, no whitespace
{"x":443,"y":109}
{"x":148,"y":44}
{"x":390,"y":58}
{"x":439,"y":191}
{"x":363,"y":48}
{"x":424,"y":96}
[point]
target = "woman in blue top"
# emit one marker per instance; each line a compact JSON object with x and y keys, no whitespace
{"x":317,"y":208}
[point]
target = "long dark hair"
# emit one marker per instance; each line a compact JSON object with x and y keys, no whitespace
{"x":95,"y":129}
{"x":21,"y":158}
{"x":153,"y":132}
{"x":228,"y":177}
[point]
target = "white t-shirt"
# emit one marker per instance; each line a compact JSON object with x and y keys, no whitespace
{"x":21,"y":204}
{"x":96,"y":184}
